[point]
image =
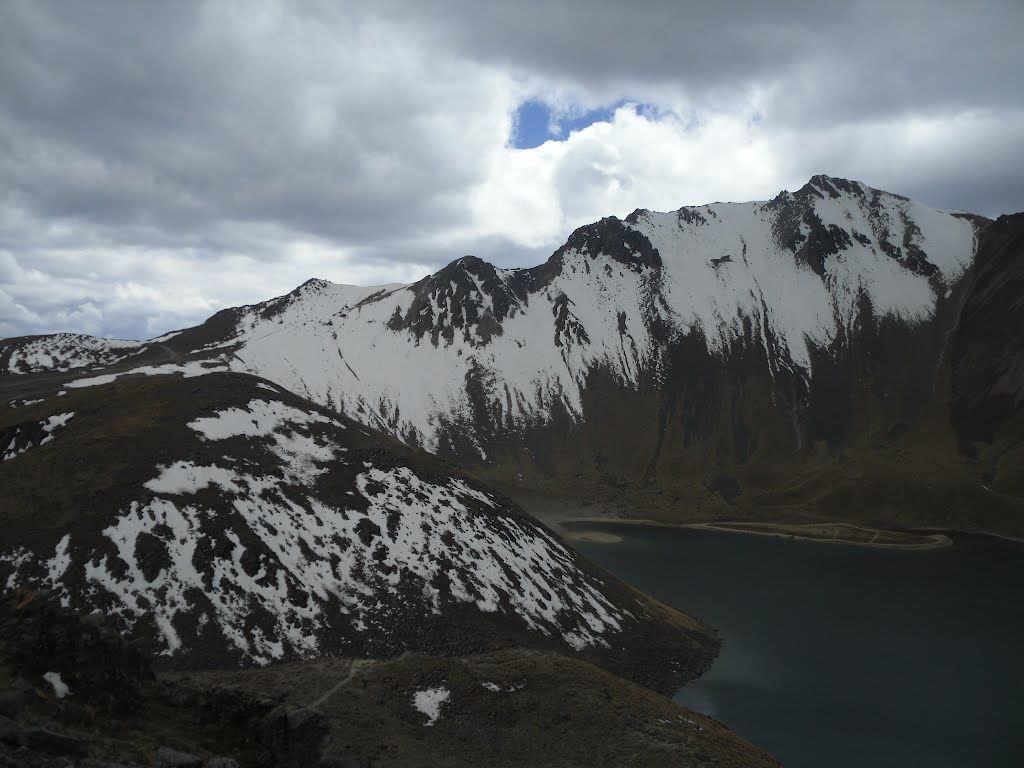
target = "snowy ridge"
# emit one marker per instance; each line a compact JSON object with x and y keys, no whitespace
{"x":256,"y":550}
{"x":726,"y":262}
{"x":354,"y":360}
{"x":64,"y":351}
{"x":797,"y":269}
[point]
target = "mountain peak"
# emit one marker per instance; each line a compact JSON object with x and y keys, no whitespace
{"x":315,"y":284}
{"x":468,"y":295}
{"x":616,"y":239}
{"x":835,"y":187}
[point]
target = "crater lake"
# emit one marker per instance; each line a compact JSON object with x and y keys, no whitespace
{"x":837,"y":655}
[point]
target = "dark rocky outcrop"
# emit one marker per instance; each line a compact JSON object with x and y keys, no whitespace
{"x":987,"y":352}
{"x":452,"y":300}
{"x":536,"y":708}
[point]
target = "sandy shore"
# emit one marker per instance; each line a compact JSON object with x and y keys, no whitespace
{"x":591,"y":537}
{"x":569,"y":518}
{"x":824,"y":533}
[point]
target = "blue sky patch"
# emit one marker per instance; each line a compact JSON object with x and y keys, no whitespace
{"x":534,"y":122}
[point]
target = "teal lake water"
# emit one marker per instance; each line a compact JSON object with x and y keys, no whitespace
{"x":836,"y":655}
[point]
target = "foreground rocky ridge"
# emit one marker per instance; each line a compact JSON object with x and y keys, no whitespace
{"x":72,"y":692}
{"x":327,"y":595}
{"x":222,"y":521}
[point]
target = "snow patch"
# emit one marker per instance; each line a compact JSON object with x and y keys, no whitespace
{"x":187,"y":371}
{"x":24,"y":438}
{"x":259,"y":418}
{"x":174,"y":561}
{"x":300,"y":454}
{"x":184,"y":477}
{"x":165,"y":337}
{"x":60,"y":688}
{"x":53,"y":423}
{"x":58,"y":564}
{"x":12,"y":450}
{"x":16,"y":558}
{"x":410,"y":529}
{"x":429,"y":702}
{"x":166,"y":595}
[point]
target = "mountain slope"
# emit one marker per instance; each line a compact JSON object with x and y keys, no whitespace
{"x":222,"y":520}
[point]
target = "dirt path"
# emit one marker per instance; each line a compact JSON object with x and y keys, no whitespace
{"x":357,"y":664}
{"x":171,"y":354}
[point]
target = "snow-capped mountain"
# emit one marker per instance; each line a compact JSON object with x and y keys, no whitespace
{"x":487,"y":350}
{"x":714,"y":353}
{"x":795,"y":271}
{"x":222,"y":519}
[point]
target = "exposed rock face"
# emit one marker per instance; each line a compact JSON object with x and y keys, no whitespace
{"x":988,"y":358}
{"x":40,"y":643}
{"x":448,"y":302}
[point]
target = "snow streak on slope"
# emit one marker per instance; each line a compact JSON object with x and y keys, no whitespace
{"x":187,"y":370}
{"x":257,"y":549}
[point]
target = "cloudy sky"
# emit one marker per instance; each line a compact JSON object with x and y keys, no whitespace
{"x":160,"y":161}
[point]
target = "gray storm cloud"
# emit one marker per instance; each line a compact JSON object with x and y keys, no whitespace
{"x":160,"y":161}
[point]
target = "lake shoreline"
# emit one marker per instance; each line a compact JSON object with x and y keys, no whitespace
{"x":565,"y":515}
{"x":774,"y":530}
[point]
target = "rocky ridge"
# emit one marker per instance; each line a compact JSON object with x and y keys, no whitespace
{"x":987,"y":359}
{"x":220,"y":520}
